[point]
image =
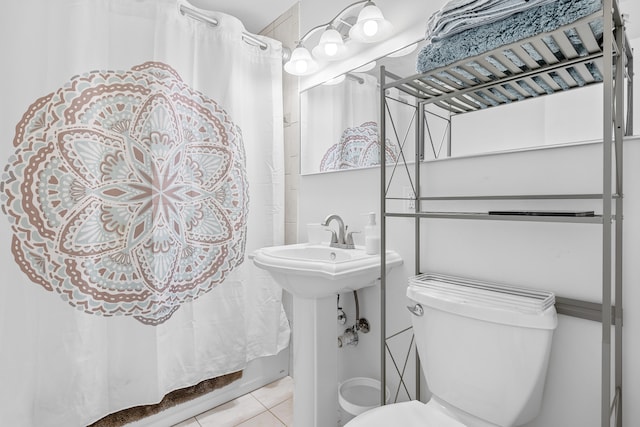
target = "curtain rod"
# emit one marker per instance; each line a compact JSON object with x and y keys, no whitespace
{"x":247,"y":37}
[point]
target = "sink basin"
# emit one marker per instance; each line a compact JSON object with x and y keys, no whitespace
{"x":318,"y":270}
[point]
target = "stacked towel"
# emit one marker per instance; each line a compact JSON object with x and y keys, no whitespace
{"x":460,"y":15}
{"x":483,"y":38}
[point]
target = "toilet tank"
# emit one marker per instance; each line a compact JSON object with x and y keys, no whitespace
{"x":484,"y":348}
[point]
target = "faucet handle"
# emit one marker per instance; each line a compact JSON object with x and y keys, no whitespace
{"x":349,"y":238}
{"x":334,"y":236}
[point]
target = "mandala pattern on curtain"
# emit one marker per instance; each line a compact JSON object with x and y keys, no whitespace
{"x":359,"y":147}
{"x":127,"y":193}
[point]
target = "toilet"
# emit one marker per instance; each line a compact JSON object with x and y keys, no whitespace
{"x":484,"y":350}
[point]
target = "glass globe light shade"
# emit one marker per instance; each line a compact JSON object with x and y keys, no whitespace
{"x":331,"y":47}
{"x":371,"y":26}
{"x":301,"y":63}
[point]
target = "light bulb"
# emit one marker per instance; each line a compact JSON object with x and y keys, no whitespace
{"x":301,"y":66}
{"x":330,"y":49}
{"x":371,"y":25}
{"x":370,"y":28}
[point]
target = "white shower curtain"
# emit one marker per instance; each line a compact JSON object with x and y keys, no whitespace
{"x":143,"y":154}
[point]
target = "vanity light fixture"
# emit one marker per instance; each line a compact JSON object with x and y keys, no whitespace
{"x":301,"y":63}
{"x":331,"y":46}
{"x":369,"y":27}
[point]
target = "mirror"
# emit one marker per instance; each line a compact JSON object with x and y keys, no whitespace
{"x":339,"y":118}
{"x":339,"y":121}
{"x":340,"y":131}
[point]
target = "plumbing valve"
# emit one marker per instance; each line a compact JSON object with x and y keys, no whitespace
{"x":350,"y":337}
{"x":362,"y":325}
{"x":342,"y":317}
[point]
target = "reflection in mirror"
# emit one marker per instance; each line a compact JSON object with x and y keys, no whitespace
{"x":401,"y":112}
{"x":339,"y":127}
{"x":339,"y":119}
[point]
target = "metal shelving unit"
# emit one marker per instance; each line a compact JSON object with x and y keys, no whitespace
{"x":460,"y":88}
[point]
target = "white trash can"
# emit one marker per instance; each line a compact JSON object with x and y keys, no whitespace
{"x":359,"y":394}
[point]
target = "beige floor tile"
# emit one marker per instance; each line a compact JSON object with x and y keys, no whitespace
{"x":191,"y":422}
{"x":275,"y":393}
{"x":266,"y":419}
{"x":284,"y":412}
{"x":232,"y":413}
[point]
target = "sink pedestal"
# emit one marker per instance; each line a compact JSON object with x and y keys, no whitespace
{"x":314,"y":274}
{"x":315,"y":362}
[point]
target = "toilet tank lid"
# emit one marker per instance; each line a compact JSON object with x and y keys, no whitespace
{"x":488,"y":301}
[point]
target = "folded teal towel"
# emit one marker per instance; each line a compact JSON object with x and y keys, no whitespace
{"x":460,"y":15}
{"x":476,"y":41}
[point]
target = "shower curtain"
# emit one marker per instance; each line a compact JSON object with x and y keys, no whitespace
{"x":341,"y":130}
{"x":143,"y":163}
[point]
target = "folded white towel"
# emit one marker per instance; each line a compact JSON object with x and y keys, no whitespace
{"x":460,"y":15}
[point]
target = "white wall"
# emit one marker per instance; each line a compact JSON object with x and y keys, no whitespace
{"x":563,"y":258}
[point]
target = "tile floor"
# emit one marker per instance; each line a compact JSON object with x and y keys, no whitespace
{"x":270,"y":406}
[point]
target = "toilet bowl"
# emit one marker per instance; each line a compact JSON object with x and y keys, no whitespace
{"x":484,"y":350}
{"x":405,"y":414}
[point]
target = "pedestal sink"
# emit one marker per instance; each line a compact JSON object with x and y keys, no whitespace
{"x":314,"y":274}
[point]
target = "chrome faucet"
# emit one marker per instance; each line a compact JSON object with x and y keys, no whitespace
{"x":339,"y":240}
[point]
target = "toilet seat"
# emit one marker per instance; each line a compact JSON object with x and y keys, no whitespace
{"x":406,"y":414}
